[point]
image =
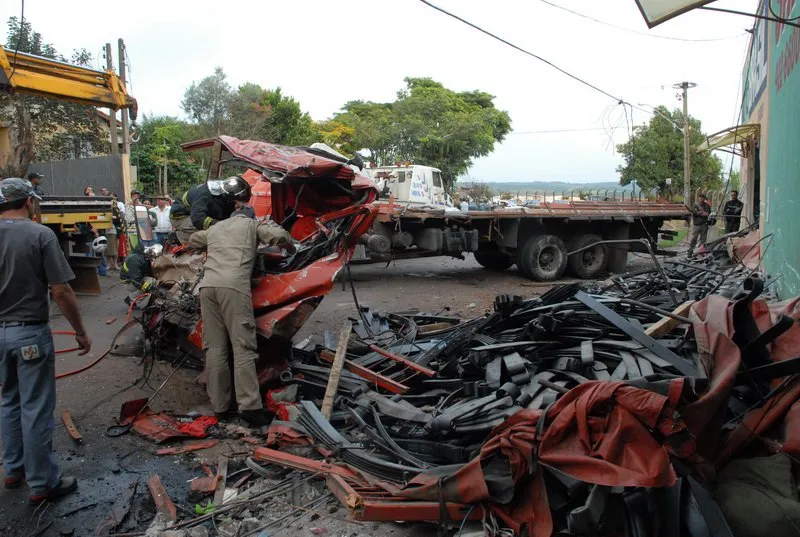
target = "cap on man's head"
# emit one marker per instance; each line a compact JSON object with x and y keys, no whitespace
{"x":34,"y":175}
{"x":15,"y":189}
{"x":134,"y":191}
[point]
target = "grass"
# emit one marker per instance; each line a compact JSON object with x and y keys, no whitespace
{"x":675,"y":240}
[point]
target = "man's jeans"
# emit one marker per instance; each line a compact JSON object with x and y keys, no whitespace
{"x":27,"y":375}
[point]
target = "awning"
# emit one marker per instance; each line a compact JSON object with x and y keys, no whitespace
{"x":657,"y":11}
{"x":740,"y":134}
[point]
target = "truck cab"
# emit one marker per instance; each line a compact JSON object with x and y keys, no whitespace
{"x":413,"y":184}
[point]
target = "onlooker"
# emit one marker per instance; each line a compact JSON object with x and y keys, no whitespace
{"x":700,"y":213}
{"x":130,"y":219}
{"x":105,"y":192}
{"x":88,"y":191}
{"x":464,"y":205}
{"x":733,"y":212}
{"x":122,"y":239}
{"x":36,"y":181}
{"x":112,"y":235}
{"x":33,"y":265}
{"x":163,"y":225}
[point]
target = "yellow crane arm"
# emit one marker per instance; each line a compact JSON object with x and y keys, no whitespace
{"x":35,"y":75}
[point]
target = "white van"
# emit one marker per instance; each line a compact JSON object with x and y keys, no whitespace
{"x":414,"y":184}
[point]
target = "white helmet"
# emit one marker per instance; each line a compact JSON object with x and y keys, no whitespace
{"x":99,"y":245}
{"x":153,"y":251}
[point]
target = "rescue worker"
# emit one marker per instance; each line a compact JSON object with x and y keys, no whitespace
{"x":227,"y":309}
{"x":733,"y":212}
{"x":137,"y":272}
{"x":32,"y":264}
{"x":206,"y":204}
{"x":700,"y":214}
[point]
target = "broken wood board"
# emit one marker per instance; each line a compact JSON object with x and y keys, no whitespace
{"x":161,"y":499}
{"x":665,"y":325}
{"x":73,"y":431}
{"x":222,"y":476}
{"x":336,"y":370}
{"x":188,"y":447}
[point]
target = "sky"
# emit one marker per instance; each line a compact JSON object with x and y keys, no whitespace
{"x":326,"y":53}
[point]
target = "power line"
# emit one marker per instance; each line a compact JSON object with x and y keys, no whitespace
{"x":520,"y":49}
{"x":637,"y":32}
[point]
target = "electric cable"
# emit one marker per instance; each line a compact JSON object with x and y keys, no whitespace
{"x":637,"y":32}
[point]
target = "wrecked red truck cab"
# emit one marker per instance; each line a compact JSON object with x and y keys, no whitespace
{"x":322,"y":199}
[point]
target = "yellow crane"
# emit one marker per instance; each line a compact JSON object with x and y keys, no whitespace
{"x":44,"y":77}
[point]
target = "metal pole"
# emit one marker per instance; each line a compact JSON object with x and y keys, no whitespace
{"x":687,"y":157}
{"x":126,"y":137}
{"x":112,"y":114}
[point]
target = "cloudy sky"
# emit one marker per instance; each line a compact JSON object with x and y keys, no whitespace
{"x":325,"y":53}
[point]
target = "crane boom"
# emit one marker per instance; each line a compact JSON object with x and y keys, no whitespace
{"x":45,"y":77}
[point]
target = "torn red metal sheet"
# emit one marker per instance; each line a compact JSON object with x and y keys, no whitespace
{"x":206,"y":484}
{"x":283,"y":435}
{"x":288,"y":460}
{"x":161,"y":499}
{"x":373,"y":503}
{"x":162,"y":427}
{"x":186,"y":448}
{"x":119,"y":510}
{"x":382,"y":382}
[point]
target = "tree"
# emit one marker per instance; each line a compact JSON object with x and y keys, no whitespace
{"x":41,"y":128}
{"x":159,"y":149}
{"x":287,"y":124}
{"x":208,"y":101}
{"x":428,"y":124}
{"x":655,"y":153}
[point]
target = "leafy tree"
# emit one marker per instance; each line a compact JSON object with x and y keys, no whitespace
{"x":208,"y":102}
{"x":41,"y":128}
{"x":429,"y":124}
{"x":159,"y":147}
{"x":338,"y":135}
{"x":287,"y":124}
{"x":655,"y":153}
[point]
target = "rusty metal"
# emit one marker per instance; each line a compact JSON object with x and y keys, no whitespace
{"x":187,"y":448}
{"x":379,"y":380}
{"x":373,"y":503}
{"x":161,"y":499}
{"x":401,"y":360}
{"x":305,"y":464}
{"x":66,"y":418}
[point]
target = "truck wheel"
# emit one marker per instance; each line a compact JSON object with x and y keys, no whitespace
{"x":589,"y":263}
{"x":543,"y":258}
{"x":493,"y":260}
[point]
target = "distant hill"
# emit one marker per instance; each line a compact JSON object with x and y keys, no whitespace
{"x":545,"y":186}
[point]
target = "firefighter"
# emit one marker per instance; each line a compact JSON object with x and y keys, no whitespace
{"x":227,"y":310}
{"x":33,"y":267}
{"x":137,"y":272}
{"x":206,"y":204}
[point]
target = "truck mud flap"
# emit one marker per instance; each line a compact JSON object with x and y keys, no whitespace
{"x":86,"y":279}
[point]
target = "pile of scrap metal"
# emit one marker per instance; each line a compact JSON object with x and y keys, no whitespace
{"x":585,"y":414}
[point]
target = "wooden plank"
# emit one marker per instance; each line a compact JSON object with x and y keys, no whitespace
{"x":66,"y":417}
{"x":336,"y":370}
{"x":222,"y":477}
{"x":161,"y":499}
{"x":379,"y":380}
{"x":666,"y":324}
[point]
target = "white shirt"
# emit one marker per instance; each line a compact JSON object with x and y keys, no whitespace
{"x":464,"y":206}
{"x":163,"y":224}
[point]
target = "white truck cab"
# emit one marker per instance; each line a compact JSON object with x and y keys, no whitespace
{"x":413,"y":184}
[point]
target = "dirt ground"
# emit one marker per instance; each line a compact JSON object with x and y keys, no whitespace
{"x":106,"y":466}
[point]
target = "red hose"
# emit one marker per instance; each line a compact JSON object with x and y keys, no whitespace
{"x":79,"y":370}
{"x":133,"y":304}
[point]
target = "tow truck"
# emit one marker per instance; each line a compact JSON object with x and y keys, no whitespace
{"x":71,"y":217}
{"x":415,"y":218}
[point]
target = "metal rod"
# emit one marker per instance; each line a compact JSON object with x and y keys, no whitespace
{"x":754,"y":15}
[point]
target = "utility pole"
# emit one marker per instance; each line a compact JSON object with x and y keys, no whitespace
{"x":126,"y":137}
{"x":112,"y":114}
{"x":687,"y":157}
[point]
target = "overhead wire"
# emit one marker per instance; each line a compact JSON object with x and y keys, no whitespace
{"x":637,"y":32}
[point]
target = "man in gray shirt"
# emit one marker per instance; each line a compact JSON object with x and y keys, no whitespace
{"x":32,"y":263}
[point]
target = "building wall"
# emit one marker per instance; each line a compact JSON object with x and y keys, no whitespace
{"x":781,"y":215}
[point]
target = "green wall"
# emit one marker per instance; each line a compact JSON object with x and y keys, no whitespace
{"x":781,"y":216}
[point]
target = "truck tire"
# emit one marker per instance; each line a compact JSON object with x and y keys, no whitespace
{"x":493,"y":260}
{"x":590,"y":263}
{"x":542,"y":258}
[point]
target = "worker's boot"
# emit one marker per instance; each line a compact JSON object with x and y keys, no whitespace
{"x":257,"y":418}
{"x":65,"y":486}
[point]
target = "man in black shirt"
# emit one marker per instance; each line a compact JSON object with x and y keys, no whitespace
{"x":700,"y":213}
{"x":32,"y":264}
{"x":733,"y":212}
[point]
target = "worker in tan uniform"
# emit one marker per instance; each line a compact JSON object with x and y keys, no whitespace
{"x":227,"y":309}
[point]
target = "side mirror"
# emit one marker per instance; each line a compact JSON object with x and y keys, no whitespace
{"x":357,"y":161}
